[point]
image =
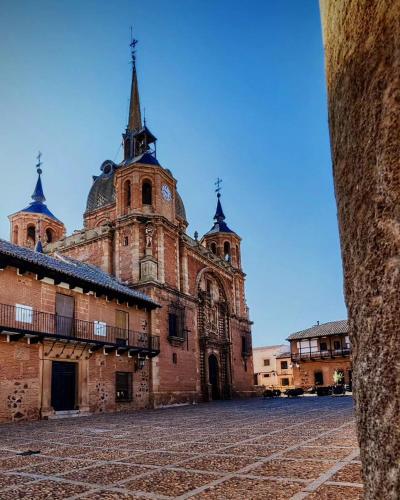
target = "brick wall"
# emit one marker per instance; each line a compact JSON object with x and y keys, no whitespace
{"x":304,"y":374}
{"x":20,"y":381}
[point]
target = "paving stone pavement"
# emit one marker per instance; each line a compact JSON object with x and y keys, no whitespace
{"x":248,"y":449}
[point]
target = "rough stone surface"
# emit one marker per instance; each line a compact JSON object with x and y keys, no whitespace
{"x":246,"y":449}
{"x":362,"y":50}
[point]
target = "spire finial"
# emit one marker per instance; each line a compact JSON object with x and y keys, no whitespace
{"x":144,"y":116}
{"x":133,"y":48}
{"x":218,"y":183}
{"x":39,"y":163}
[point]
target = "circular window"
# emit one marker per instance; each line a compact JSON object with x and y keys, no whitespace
{"x":107,"y":167}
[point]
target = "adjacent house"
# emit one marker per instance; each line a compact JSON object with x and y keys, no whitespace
{"x":320,"y":351}
{"x":73,"y":339}
{"x":273,"y":366}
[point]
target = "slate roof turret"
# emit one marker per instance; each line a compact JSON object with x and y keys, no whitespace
{"x":220,"y":226}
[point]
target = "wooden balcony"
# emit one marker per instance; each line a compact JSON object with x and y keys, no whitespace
{"x":345,"y":352}
{"x":17,"y":322}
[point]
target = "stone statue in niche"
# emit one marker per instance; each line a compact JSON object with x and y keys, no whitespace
{"x":149,"y":232}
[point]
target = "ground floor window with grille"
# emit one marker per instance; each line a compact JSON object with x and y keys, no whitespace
{"x":285,"y":381}
{"x":123,"y":386}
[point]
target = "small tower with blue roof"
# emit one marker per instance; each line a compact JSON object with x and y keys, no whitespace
{"x":220,"y":239}
{"x":35,"y":226}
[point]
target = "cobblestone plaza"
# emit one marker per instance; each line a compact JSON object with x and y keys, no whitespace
{"x":246,"y":449}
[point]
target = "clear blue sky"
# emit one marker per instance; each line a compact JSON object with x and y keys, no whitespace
{"x":231,"y":89}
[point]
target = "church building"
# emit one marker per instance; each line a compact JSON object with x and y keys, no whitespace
{"x":134,"y":229}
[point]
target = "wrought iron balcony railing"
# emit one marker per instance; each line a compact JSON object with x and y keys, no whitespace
{"x":317,"y":355}
{"x":20,"y":320}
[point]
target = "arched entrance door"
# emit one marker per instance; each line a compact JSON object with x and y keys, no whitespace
{"x":213,"y":376}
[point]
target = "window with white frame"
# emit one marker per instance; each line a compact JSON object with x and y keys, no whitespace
{"x":308,"y":346}
{"x":23,"y":314}
{"x":100,"y":328}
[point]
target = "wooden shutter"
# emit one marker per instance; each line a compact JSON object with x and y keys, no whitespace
{"x":121,"y":319}
{"x":64,"y":305}
{"x":65,"y":314}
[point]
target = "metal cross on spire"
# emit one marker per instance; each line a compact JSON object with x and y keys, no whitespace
{"x":218,"y":183}
{"x":39,"y":163}
{"x":133,"y":48}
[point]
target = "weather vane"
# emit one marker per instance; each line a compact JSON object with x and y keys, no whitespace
{"x":39,"y":163}
{"x":133,"y":48}
{"x":218,"y":183}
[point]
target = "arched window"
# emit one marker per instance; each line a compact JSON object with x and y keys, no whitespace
{"x":213,"y":247}
{"x":227,"y":251}
{"x":127,"y":194}
{"x":31,"y":235}
{"x":15,"y":235}
{"x":49,"y":235}
{"x":146,"y":193}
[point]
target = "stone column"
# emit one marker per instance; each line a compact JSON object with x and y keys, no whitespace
{"x":362,"y":56}
{"x":47,"y":409}
{"x":135,"y":252}
{"x":83,"y":389}
{"x":161,"y":264}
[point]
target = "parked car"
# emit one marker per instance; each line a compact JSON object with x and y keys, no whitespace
{"x":293,"y":393}
{"x":324,"y":390}
{"x":339,"y":389}
{"x":271,"y":393}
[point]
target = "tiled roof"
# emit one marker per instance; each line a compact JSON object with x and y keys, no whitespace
{"x":219,"y":227}
{"x":39,"y":208}
{"x":326,"y":329}
{"x":286,"y":354}
{"x":67,"y":268}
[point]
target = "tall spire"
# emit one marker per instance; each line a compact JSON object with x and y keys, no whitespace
{"x":137,"y":139}
{"x":38,"y":194}
{"x":135,"y":117}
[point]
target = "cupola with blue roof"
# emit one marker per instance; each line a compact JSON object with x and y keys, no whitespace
{"x":35,"y":225}
{"x":220,"y":239}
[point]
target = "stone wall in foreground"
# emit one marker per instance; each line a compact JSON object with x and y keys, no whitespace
{"x":362,"y":51}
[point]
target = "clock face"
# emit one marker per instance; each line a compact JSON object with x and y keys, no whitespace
{"x":166,"y":193}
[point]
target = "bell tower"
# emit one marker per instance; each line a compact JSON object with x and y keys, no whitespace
{"x":35,"y":226}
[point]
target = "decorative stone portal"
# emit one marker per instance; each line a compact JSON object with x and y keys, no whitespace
{"x":214,"y":337}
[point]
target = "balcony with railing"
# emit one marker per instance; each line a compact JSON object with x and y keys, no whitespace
{"x":18,"y":321}
{"x":313,"y":355}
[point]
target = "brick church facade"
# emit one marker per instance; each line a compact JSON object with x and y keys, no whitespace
{"x":134,"y":228}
